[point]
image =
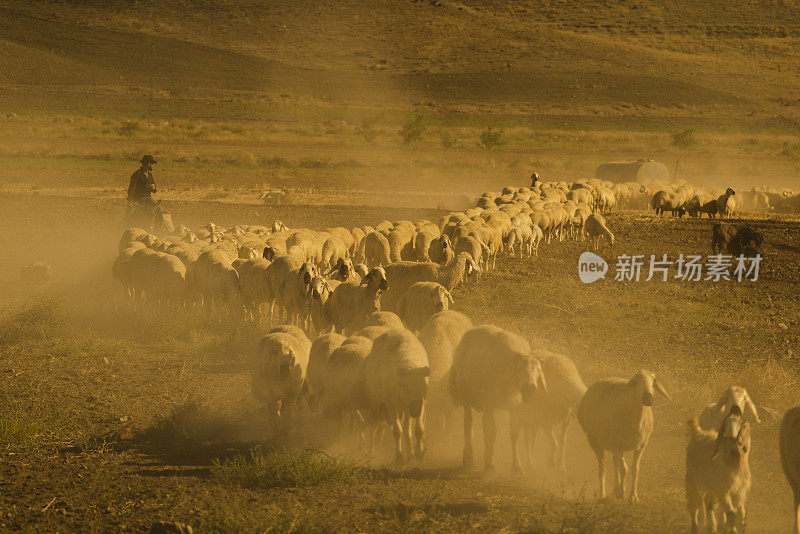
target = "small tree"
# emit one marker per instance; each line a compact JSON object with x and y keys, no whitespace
{"x":683,"y":139}
{"x":448,"y":139}
{"x":491,"y":139}
{"x":413,"y":130}
{"x":367,"y":129}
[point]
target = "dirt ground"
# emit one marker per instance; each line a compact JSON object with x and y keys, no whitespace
{"x":118,"y":418}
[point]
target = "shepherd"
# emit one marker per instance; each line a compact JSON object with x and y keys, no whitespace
{"x":142,"y":185}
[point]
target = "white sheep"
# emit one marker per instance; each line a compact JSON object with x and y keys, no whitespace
{"x":718,"y":472}
{"x":595,"y":227}
{"x":343,"y":398}
{"x":296,"y":290}
{"x":395,"y":386}
{"x":789,"y":446}
{"x":564,"y":389}
{"x":493,"y":369}
{"x":420,"y":302}
{"x":476,"y":250}
{"x":350,"y":304}
{"x":319,"y":354}
{"x":377,"y":252}
{"x":384,"y":318}
{"x":616,"y":416}
{"x":440,"y":336}
{"x":715,"y":413}
{"x":404,"y":274}
{"x":278,"y":372}
{"x":254,"y":284}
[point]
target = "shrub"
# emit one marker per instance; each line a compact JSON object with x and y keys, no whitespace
{"x":683,"y":139}
{"x":448,"y":139}
{"x":491,"y":139}
{"x":287,"y":468}
{"x":128,"y":128}
{"x":44,"y":319}
{"x":413,"y":130}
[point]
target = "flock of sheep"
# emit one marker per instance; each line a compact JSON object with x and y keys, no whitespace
{"x":387,"y":350}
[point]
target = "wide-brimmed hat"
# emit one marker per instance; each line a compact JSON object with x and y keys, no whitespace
{"x":147,"y":158}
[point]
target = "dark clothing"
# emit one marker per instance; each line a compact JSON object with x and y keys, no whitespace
{"x":142,"y":186}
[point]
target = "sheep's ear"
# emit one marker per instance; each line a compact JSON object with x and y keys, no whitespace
{"x":752,"y":407}
{"x":543,"y":383}
{"x":449,"y":296}
{"x":658,"y":387}
{"x":367,"y":278}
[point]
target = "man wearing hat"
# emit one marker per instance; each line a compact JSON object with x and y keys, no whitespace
{"x":142,"y":184}
{"x":534,"y":179}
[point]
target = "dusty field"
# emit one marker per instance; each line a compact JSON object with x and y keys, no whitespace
{"x":111,"y":420}
{"x":115,"y":420}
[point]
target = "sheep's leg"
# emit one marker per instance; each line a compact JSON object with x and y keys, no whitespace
{"x":467,"y":457}
{"x":551,"y":433}
{"x":407,"y":435}
{"x":711,"y":515}
{"x":601,"y":471}
{"x":562,"y":447}
{"x":419,"y":434}
{"x":796,"y":490}
{"x":621,"y":467}
{"x":637,"y":458}
{"x":489,"y":437}
{"x":530,"y":443}
{"x":397,"y":431}
{"x":515,"y":428}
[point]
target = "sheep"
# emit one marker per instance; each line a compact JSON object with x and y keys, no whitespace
{"x":168,"y":280}
{"x":564,"y":389}
{"x":789,"y":446}
{"x":343,"y":399}
{"x":279,"y":272}
{"x":422,"y":243}
{"x":361,"y":270}
{"x":36,"y":273}
{"x":350,"y":304}
{"x":122,"y":271}
{"x":441,"y":250}
{"x":333,"y":250}
{"x":596,"y":228}
{"x":713,"y":414}
{"x":663,"y":201}
{"x":254,"y":284}
{"x":345,"y":236}
{"x":384,"y":318}
{"x":372,"y":332}
{"x":319,"y":355}
{"x":401,"y":243}
{"x":440,"y":336}
{"x":343,"y":271}
{"x":215,"y":278}
{"x":394,"y":383}
{"x":477,"y":250}
{"x":377,"y":252}
{"x":421,"y":302}
{"x":278,"y":371}
{"x":616,"y":416}
{"x":296,"y":289}
{"x":519,"y":239}
{"x":735,"y":240}
{"x":493,"y":369}
{"x":403,"y":274}
{"x":718,"y":472}
{"x":726,"y":203}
